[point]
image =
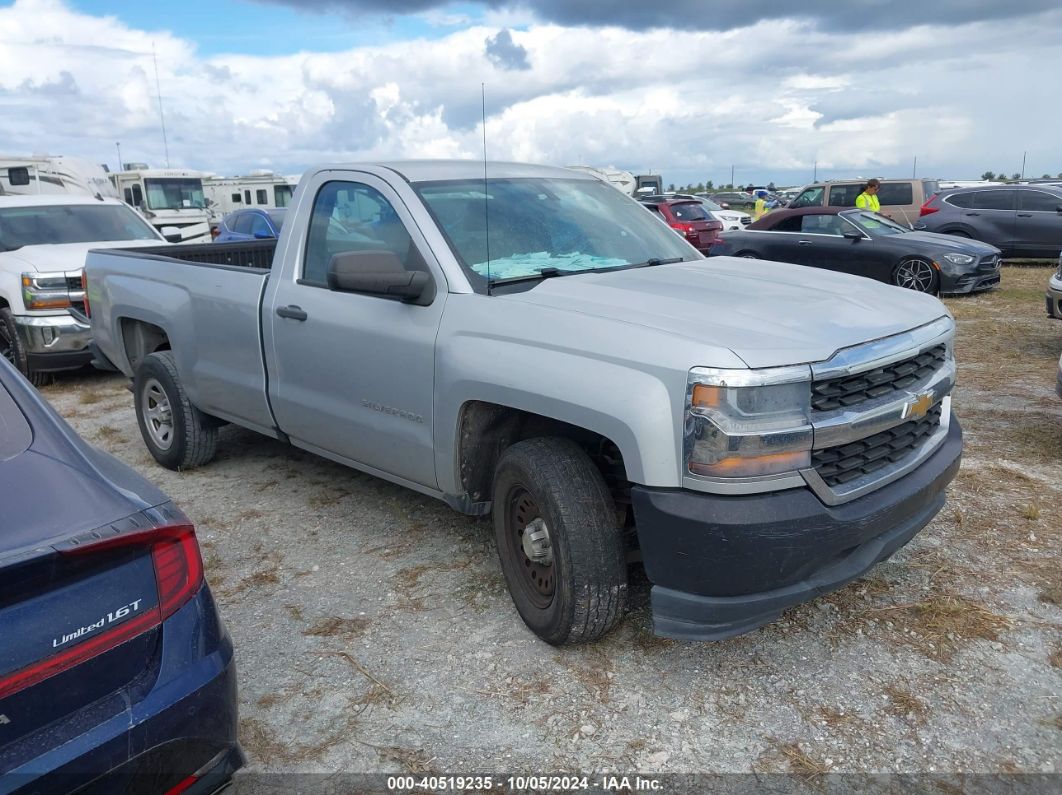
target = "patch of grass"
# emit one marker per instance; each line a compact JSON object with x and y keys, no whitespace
{"x":294,"y":610}
{"x":800,"y":763}
{"x":110,"y":434}
{"x":1055,"y":658}
{"x":334,"y":626}
{"x":89,"y":397}
{"x":262,"y":743}
{"x":832,"y":716}
{"x":1030,"y":512}
{"x":327,"y":497}
{"x":1052,"y":594}
{"x":903,"y":704}
{"x":943,"y":623}
{"x":268,"y":700}
{"x":269,"y":484}
{"x":251,"y":513}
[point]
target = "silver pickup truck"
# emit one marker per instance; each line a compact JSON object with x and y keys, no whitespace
{"x":527,"y":342}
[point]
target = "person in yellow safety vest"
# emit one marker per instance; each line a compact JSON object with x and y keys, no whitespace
{"x":868,"y":199}
{"x":760,"y":208}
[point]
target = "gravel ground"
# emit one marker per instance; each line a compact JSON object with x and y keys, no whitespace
{"x":374,"y":633}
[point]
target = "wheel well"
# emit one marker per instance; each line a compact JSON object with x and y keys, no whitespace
{"x":485,"y":430}
{"x":4,"y":304}
{"x":141,"y":338}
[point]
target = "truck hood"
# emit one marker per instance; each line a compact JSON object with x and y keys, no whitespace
{"x":768,"y":314}
{"x":950,"y":243}
{"x":65,"y":256}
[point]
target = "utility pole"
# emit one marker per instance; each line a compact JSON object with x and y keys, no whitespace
{"x":815,"y":172}
{"x":731,"y":177}
{"x":914,"y":168}
{"x":118,"y":146}
{"x":1023,"y":154}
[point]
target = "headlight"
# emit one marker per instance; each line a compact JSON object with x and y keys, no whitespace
{"x":748,"y":423}
{"x":45,"y":291}
{"x":959,"y":259}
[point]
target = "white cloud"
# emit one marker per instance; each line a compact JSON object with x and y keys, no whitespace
{"x":769,"y":98}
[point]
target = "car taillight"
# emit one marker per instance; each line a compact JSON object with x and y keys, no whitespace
{"x":178,"y":576}
{"x":685,"y":228}
{"x":929,"y":207}
{"x":84,"y":289}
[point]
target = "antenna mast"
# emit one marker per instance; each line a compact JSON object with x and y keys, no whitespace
{"x":486,"y":224}
{"x":162,"y":116}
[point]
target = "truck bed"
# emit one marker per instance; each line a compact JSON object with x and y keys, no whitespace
{"x":255,"y":254}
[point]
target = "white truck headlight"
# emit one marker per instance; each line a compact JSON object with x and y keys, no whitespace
{"x":45,"y":291}
{"x":748,"y":423}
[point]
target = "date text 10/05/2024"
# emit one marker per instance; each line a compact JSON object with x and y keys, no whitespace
{"x":518,"y":784}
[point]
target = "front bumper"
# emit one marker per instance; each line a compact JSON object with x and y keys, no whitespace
{"x":722,"y":566}
{"x":1054,"y":298}
{"x":54,"y":342}
{"x":964,"y":279}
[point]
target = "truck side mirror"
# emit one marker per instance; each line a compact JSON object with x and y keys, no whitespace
{"x":376,"y":273}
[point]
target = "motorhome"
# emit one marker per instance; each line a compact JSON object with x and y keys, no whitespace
{"x":262,"y":190}
{"x":167,"y":197}
{"x":51,"y":174}
{"x":625,"y":181}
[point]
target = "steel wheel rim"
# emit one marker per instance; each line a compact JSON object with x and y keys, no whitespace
{"x":536,"y":579}
{"x":915,"y":274}
{"x":158,"y":417}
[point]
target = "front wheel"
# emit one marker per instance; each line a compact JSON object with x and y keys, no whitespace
{"x":916,"y":274}
{"x":561,"y":550}
{"x":11,"y":348}
{"x":177,"y":434}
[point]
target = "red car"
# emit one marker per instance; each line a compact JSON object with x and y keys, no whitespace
{"x":689,"y":218}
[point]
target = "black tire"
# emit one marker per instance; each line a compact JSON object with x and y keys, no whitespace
{"x":11,"y":348}
{"x":959,"y":233}
{"x":581,"y":594}
{"x":192,"y":438}
{"x":748,"y":255}
{"x":918,"y":274}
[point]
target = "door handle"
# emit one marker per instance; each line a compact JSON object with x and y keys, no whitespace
{"x":971,"y":213}
{"x":293,"y":312}
{"x":803,"y":242}
{"x":1025,"y":215}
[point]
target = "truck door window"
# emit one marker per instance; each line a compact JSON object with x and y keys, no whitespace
{"x":349,"y":216}
{"x":812,"y":197}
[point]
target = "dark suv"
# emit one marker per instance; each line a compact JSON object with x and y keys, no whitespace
{"x":688,"y":217}
{"x":1022,"y":220}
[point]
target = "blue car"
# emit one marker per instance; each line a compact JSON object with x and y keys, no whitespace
{"x":250,"y":225}
{"x":116,"y":673}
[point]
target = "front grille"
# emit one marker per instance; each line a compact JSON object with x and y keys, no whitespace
{"x":837,"y":393}
{"x":988,"y":263}
{"x":838,"y":465}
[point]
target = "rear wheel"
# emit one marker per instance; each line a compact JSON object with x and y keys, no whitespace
{"x":177,"y":434}
{"x":561,"y":550}
{"x":959,"y":233}
{"x":11,"y":348}
{"x":748,"y":255}
{"x":916,"y":274}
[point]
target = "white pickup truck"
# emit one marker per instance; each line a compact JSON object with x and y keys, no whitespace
{"x":528,"y":342}
{"x":43,"y":242}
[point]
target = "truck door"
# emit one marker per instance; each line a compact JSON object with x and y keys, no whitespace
{"x":352,"y":374}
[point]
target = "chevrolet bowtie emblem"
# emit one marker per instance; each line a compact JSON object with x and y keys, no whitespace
{"x":916,"y":409}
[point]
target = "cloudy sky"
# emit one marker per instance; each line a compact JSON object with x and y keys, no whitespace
{"x":686,"y":88}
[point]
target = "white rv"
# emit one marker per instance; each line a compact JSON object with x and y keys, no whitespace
{"x":51,"y":174}
{"x":167,"y":197}
{"x":262,"y":190}
{"x":625,"y":181}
